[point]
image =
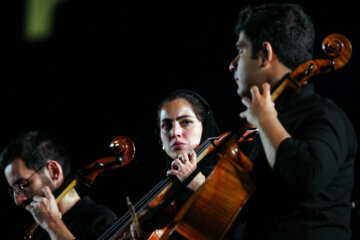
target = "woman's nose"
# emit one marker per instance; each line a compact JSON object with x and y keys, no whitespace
{"x":176,"y":130}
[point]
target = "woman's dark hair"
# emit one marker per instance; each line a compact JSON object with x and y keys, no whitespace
{"x":35,"y":149}
{"x":200,"y":107}
{"x":287,"y":27}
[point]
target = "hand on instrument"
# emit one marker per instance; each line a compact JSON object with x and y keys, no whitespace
{"x":47,"y":214}
{"x":45,"y":209}
{"x":262,"y":114}
{"x":261,"y":108}
{"x":183,"y":166}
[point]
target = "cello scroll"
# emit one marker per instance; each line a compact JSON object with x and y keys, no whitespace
{"x":339,"y":50}
{"x":123,"y":147}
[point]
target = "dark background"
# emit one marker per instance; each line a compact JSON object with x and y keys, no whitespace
{"x":106,"y":66}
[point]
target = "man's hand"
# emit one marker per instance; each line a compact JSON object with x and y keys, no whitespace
{"x":262,"y":114}
{"x":47,"y":214}
{"x":45,"y":209}
{"x":261,"y":108}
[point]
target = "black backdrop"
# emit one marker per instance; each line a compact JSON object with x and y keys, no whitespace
{"x":106,"y":66}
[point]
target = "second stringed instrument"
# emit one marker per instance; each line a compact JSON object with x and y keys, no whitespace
{"x":122,"y":146}
{"x":121,"y":229}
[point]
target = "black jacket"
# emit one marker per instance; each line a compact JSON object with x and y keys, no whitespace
{"x":307,"y":193}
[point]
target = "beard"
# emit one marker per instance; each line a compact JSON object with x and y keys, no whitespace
{"x":26,"y":202}
{"x":45,"y":181}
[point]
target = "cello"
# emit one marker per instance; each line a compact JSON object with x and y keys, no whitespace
{"x":124,"y":149}
{"x":121,"y":228}
{"x":211,"y":211}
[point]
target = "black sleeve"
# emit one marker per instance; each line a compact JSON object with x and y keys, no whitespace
{"x":310,"y":159}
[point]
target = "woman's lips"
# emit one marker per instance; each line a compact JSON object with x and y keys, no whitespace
{"x":178,"y":145}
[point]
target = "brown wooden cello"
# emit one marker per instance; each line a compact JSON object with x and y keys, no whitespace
{"x":210,"y":212}
{"x":124,"y":149}
{"x":121,"y":229}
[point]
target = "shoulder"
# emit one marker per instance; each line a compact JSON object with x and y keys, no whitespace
{"x":327,"y":109}
{"x":88,"y":220}
{"x":312,"y":106}
{"x":89,"y":208}
{"x":311,"y":114}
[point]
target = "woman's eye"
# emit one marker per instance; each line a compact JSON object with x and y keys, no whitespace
{"x":186,"y":122}
{"x":166,"y":126}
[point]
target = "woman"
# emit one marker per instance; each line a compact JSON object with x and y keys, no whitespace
{"x":184,"y":121}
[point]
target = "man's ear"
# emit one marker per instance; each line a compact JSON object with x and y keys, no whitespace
{"x":266,"y":54}
{"x":55,"y":172}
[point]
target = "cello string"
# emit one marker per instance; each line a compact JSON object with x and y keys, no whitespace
{"x":161,"y":186}
{"x":140,"y":205}
{"x":147,"y":198}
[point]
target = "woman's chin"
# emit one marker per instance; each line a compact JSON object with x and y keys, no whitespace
{"x":176,"y":152}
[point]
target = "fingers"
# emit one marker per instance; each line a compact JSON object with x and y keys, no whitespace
{"x":187,"y":159}
{"x":176,"y":164}
{"x":47,"y":192}
{"x":193,"y":156}
{"x":246,"y":101}
{"x":34,"y":204}
{"x":243,"y":114}
{"x":37,"y":201}
{"x":30,"y":207}
{"x":183,"y":159}
{"x":183,"y":165}
{"x":171,"y":172}
{"x":175,"y":168}
{"x":266,"y":90}
{"x":255,"y":93}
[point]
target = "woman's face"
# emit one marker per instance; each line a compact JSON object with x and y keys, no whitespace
{"x":180,"y":129}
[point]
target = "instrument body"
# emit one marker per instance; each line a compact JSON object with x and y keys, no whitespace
{"x":121,"y":229}
{"x":212,"y":209}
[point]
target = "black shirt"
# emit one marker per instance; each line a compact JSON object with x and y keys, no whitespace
{"x":307,"y":193}
{"x":86,"y":220}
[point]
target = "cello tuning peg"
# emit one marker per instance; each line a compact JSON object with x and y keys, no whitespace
{"x":99,"y":165}
{"x":119,"y":160}
{"x":308,"y":71}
